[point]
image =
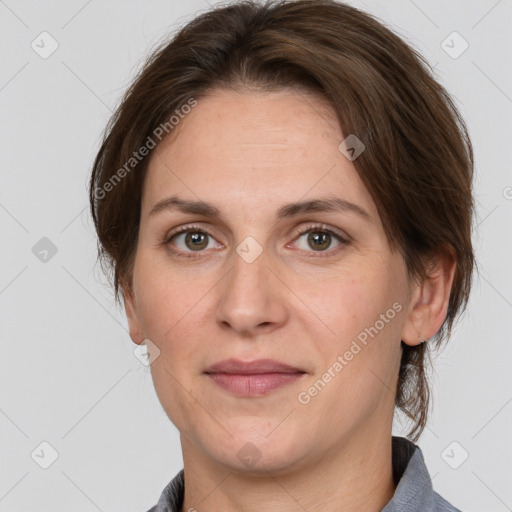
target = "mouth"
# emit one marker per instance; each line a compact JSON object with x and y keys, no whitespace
{"x":253,"y":378}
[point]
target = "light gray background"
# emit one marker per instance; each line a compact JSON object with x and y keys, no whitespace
{"x":67,"y":372}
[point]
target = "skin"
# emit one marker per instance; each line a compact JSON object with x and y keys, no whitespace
{"x":249,"y":153}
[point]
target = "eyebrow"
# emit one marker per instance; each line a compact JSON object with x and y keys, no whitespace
{"x":328,"y":204}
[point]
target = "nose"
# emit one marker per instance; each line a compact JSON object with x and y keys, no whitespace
{"x":251,"y":300}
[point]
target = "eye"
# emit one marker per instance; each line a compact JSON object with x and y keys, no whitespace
{"x":319,"y":238}
{"x":189,"y":240}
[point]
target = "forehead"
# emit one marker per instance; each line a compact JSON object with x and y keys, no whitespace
{"x":257,"y":118}
{"x":254,"y":145}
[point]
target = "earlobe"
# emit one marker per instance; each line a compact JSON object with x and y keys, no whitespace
{"x":131,"y":314}
{"x":429,"y":304}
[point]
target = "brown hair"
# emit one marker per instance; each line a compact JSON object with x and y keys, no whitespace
{"x":418,"y":161}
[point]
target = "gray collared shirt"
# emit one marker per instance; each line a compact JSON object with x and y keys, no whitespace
{"x":414,"y":492}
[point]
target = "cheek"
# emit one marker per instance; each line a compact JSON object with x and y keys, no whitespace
{"x":364,"y":316}
{"x":170,"y":310}
{"x":344,"y":306}
{"x":360,"y":362}
{"x":371,"y":298}
{"x":173,"y":310}
{"x":165,"y":298}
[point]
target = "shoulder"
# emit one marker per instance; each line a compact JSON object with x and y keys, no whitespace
{"x":171,"y":499}
{"x":414,"y":491}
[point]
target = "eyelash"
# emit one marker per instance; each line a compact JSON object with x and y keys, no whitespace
{"x":322,"y":228}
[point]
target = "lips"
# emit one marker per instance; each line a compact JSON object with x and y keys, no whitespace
{"x":253,"y":378}
{"x":238,"y":367}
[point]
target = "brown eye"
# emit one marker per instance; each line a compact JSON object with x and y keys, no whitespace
{"x":319,"y":240}
{"x":196,"y":240}
{"x":190,"y":240}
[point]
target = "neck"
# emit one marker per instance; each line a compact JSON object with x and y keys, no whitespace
{"x":355,"y":476}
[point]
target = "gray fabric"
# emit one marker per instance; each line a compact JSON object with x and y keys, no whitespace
{"x":414,"y":492}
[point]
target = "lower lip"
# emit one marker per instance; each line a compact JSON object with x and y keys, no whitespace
{"x":254,"y":384}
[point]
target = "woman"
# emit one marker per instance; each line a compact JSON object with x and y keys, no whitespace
{"x":284,"y":197}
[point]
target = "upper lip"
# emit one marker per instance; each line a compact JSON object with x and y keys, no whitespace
{"x":238,"y":367}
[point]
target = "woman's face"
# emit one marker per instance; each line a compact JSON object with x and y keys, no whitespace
{"x":313,"y":288}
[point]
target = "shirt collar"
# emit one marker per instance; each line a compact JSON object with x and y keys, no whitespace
{"x":414,"y":492}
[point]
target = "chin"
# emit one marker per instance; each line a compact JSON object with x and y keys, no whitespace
{"x":253,"y":453}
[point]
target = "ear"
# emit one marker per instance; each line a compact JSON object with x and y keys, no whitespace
{"x":130,"y":307}
{"x":429,"y":299}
